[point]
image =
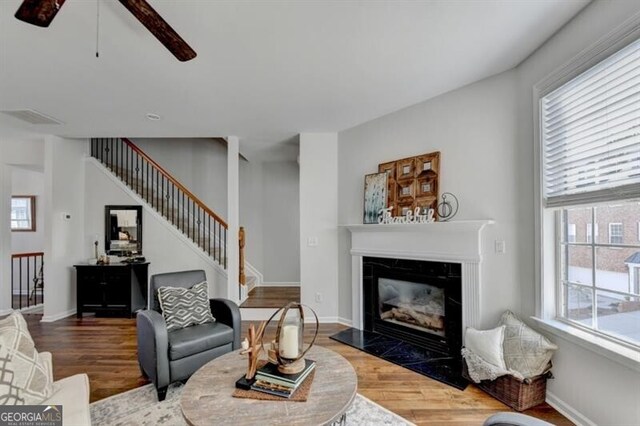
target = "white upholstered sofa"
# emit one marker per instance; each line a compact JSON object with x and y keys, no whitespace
{"x":73,"y":394}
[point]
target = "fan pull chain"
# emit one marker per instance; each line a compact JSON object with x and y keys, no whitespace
{"x":97,"y":28}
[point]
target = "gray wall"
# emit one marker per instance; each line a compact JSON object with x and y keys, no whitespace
{"x":485,"y":134}
{"x":281,"y":227}
{"x":29,"y":182}
{"x":474,"y":128}
{"x":269,"y":198}
{"x":199,"y":164}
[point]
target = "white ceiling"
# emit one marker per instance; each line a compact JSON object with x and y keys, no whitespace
{"x":266,"y":70}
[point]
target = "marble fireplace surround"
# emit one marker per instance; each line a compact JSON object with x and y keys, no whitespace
{"x":455,"y":241}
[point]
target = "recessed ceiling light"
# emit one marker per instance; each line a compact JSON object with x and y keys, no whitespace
{"x":153,"y":117}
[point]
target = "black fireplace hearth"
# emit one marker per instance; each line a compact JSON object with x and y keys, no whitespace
{"x":412,"y":313}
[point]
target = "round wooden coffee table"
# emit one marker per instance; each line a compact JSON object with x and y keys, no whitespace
{"x":206,"y":398}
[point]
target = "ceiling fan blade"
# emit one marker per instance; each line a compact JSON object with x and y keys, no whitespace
{"x":39,"y":12}
{"x":159,"y":28}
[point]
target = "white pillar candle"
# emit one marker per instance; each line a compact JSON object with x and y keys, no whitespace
{"x":289,"y":342}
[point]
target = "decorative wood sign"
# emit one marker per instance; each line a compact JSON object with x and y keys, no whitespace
{"x":412,"y":183}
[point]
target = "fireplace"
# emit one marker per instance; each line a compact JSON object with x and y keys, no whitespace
{"x":408,"y":285}
{"x":415,"y":301}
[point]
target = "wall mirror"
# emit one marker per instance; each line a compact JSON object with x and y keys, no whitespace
{"x":123,"y":230}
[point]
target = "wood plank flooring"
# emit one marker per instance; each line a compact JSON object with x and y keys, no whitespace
{"x":271,"y":297}
{"x":105,"y":349}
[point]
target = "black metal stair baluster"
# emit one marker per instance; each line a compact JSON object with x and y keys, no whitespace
{"x":209,"y":233}
{"x":193,"y":220}
{"x":20,"y":280}
{"x":13,"y":284}
{"x":225,"y":249}
{"x":116,"y":165}
{"x":41,"y":277}
{"x":28,"y":280}
{"x":121,"y":172}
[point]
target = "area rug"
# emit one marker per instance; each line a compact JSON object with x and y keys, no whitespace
{"x":140,"y":407}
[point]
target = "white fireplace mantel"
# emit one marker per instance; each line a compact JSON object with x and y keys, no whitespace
{"x":455,"y":241}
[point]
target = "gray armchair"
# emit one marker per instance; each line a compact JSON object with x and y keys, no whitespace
{"x":170,"y":356}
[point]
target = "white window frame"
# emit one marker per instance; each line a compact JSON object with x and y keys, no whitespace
{"x":547,"y":221}
{"x":621,"y":236}
{"x":31,"y":214}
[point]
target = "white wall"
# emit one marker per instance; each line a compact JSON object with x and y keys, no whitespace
{"x":64,"y":239}
{"x":604,"y":392}
{"x":29,"y":182}
{"x":319,"y":219}
{"x":475,"y":130}
{"x":281,"y":215}
{"x":162,"y":245}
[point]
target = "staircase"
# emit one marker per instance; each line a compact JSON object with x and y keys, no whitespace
{"x":172,"y":200}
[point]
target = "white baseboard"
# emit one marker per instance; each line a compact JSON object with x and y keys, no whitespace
{"x":5,"y":312}
{"x":256,"y":314}
{"x":321,"y":320}
{"x":263,"y":314}
{"x":56,"y":317}
{"x":279,"y":284}
{"x":37,"y":307}
{"x":345,"y":321}
{"x":568,"y":411}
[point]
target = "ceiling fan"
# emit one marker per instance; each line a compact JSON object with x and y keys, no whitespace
{"x":42,"y":12}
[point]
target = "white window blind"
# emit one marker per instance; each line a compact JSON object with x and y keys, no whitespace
{"x":591,"y":133}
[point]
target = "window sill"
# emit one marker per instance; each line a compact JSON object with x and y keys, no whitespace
{"x":621,"y":354}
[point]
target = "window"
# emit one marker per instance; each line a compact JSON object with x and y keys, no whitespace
{"x":599,"y":281}
{"x":590,"y":165}
{"x":615,"y":233}
{"x":23,"y":213}
{"x":590,"y":232}
{"x":571,"y":233}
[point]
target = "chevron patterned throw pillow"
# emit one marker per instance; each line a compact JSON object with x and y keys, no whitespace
{"x":24,"y":376}
{"x":183,"y":307}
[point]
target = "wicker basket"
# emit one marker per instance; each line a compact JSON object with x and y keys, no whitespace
{"x":517,"y":394}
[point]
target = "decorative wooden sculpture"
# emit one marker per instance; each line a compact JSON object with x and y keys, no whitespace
{"x":252,"y":346}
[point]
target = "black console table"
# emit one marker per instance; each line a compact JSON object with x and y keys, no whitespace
{"x":117,"y":289}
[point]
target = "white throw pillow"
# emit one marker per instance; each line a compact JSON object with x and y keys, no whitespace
{"x":525,"y":350}
{"x":487,"y":344}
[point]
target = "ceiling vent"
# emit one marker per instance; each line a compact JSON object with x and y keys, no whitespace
{"x":32,"y":116}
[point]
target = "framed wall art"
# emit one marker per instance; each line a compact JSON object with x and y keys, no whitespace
{"x":375,"y":196}
{"x":412,"y":182}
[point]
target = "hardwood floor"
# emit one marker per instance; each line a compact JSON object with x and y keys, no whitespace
{"x":271,"y":297}
{"x":105,"y":349}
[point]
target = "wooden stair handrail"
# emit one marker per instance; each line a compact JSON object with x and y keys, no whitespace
{"x":33,"y":254}
{"x":173,"y":180}
{"x":241,"y":241}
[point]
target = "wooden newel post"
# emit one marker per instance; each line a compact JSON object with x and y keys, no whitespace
{"x":242,"y":277}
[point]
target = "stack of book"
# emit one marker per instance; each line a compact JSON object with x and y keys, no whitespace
{"x":270,"y":380}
